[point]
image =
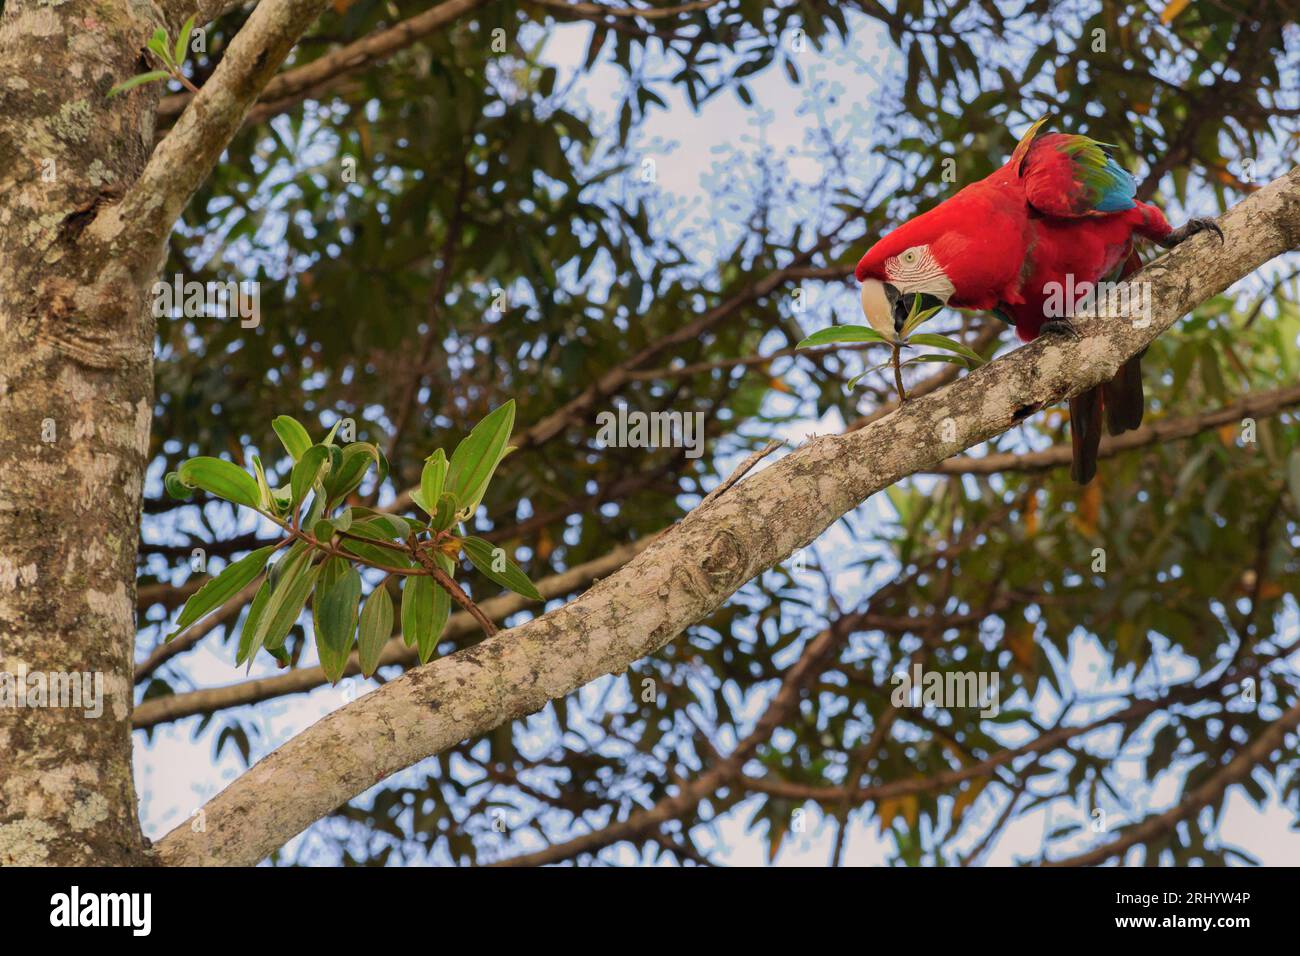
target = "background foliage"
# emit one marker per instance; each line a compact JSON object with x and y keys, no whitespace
{"x":501,"y":238}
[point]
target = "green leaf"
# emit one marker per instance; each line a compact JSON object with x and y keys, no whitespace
{"x":221,"y":478}
{"x":177,"y":488}
{"x":223,"y":587}
{"x":377,"y":556}
{"x":852,"y":383}
{"x":495,"y":564}
{"x":428,"y":641}
{"x":916,"y":316}
{"x":181,"y":52}
{"x":417,"y":609}
{"x":288,"y":597}
{"x":263,"y":488}
{"x":315,"y":512}
{"x":391,"y":526}
{"x":378,"y":527}
{"x":251,"y":619}
{"x":354,"y":461}
{"x":477,"y":457}
{"x":281,"y":498}
{"x":841,"y":333}
{"x":334,"y":614}
{"x":285,"y":561}
{"x":306,"y":472}
{"x":343,"y":520}
{"x":158,"y":43}
{"x":935,"y":357}
{"x":943,"y":342}
{"x":376,"y":629}
{"x":444,"y":516}
{"x":138,"y":80}
{"x":384,"y":528}
{"x":396,"y":525}
{"x":433,"y":477}
{"x":293,"y":436}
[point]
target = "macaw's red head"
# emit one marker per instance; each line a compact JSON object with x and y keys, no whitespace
{"x":908,"y":263}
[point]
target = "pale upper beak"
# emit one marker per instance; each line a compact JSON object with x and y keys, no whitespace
{"x":887,"y":309}
{"x":879,"y":308}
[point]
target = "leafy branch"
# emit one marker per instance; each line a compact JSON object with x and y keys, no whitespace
{"x":954,"y":352}
{"x":327,"y":540}
{"x":173,"y":57}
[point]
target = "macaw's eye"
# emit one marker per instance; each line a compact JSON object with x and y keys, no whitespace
{"x":909,"y":256}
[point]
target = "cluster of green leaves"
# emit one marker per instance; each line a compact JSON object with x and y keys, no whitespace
{"x":173,"y":56}
{"x":328,"y":540}
{"x":953,"y":352}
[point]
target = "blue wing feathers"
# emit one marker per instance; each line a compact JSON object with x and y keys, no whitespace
{"x":1118,"y":194}
{"x":1069,"y":175}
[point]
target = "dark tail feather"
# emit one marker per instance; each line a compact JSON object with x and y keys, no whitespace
{"x":1085,"y":433}
{"x":1123,"y":397}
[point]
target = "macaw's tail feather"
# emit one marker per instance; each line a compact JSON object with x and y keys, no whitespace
{"x":1121,"y":401}
{"x":1123,"y":397}
{"x":1085,"y":433}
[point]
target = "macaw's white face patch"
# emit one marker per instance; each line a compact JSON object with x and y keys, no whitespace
{"x":917,"y":270}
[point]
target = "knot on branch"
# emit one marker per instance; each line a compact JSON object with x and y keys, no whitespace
{"x":724,"y":557}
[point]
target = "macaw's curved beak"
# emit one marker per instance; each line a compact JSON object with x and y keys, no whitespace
{"x":887,"y":309}
{"x":878,"y":301}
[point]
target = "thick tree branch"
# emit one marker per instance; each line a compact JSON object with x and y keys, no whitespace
{"x":815,"y":657}
{"x":204,"y":12}
{"x":989,"y":334}
{"x":136,"y":229}
{"x":233,"y":696}
{"x":311,"y":79}
{"x":688,"y":572}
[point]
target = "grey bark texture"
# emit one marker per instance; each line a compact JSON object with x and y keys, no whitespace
{"x":689,"y":571}
{"x":86,"y":205}
{"x":75,"y":406}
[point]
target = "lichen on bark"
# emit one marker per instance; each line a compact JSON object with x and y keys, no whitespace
{"x":75,"y":396}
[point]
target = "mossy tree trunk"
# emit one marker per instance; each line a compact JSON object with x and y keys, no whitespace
{"x":86,"y":205}
{"x":75,"y":406}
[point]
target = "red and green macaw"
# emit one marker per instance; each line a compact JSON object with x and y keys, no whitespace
{"x":1061,"y":210}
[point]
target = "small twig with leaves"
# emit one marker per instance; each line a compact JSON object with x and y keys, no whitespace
{"x":855,"y":334}
{"x":327,"y":540}
{"x":173,"y":57}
